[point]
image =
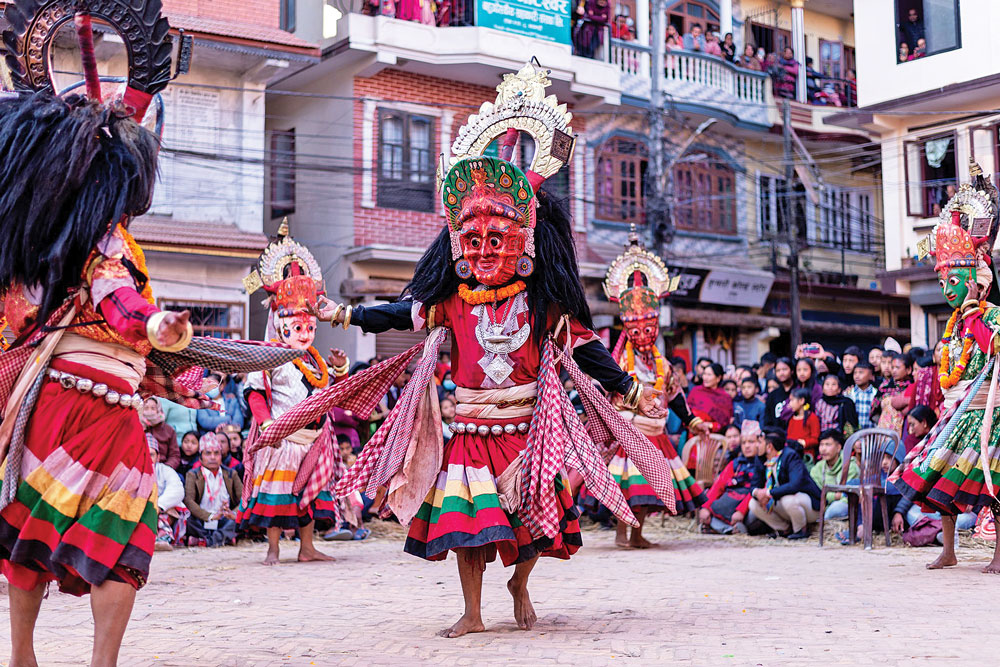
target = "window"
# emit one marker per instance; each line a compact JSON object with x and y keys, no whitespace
{"x":684,"y":14}
{"x":704,"y":195}
{"x":286,"y":20}
{"x":621,"y":181}
{"x":774,"y":40}
{"x":926,"y":28}
{"x":772,"y":217}
{"x":282,"y":173}
{"x":405,"y":171}
{"x":845,"y":220}
{"x":212,"y":319}
{"x":931,"y":174}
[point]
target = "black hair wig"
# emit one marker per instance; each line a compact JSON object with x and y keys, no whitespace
{"x":70,"y":170}
{"x":555,"y":282}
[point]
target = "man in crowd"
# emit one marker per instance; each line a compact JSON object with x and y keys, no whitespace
{"x":747,"y":405}
{"x":212,"y":494}
{"x":862,"y":392}
{"x":913,"y":29}
{"x":789,"y":501}
{"x":765,"y":369}
{"x":227,"y":410}
{"x":852,"y":355}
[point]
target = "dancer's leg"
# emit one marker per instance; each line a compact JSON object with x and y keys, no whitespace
{"x":621,"y":535}
{"x":307,"y":551}
{"x":273,"y":535}
{"x":471,"y":565}
{"x":947,"y":557}
{"x":524,"y":612}
{"x":111,"y":604}
{"x":994,"y":565}
{"x":24,"y":606}
{"x":638,"y":541}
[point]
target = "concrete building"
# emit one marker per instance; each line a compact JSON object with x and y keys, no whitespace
{"x":930,"y":115}
{"x":357,"y":136}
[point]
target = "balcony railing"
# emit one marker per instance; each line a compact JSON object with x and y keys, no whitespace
{"x":694,"y":79}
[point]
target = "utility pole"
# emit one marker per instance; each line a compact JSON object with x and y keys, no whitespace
{"x":655,"y":201}
{"x":792,"y":229}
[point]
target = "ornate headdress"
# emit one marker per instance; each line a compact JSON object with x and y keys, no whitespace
{"x":34,"y":25}
{"x":474,"y":185}
{"x":966,"y":231}
{"x":637,"y":280}
{"x":289,"y":273}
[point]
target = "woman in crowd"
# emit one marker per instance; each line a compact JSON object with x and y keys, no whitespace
{"x":777,"y":395}
{"x":709,"y":401}
{"x":749,"y":59}
{"x":834,"y":409}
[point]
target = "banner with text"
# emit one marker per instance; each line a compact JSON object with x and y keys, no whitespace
{"x":543,"y":19}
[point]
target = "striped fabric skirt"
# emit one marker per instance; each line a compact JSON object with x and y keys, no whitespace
{"x":463,"y":509}
{"x":272,"y":503}
{"x":85,"y":510}
{"x":953,"y":481}
{"x":688,"y":494}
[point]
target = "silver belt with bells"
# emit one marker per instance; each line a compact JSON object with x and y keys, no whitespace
{"x":98,"y":389}
{"x":484,"y":430}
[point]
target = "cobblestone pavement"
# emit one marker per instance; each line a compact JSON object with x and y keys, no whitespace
{"x":700,"y":600}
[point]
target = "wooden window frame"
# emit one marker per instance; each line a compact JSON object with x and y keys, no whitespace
{"x":414,"y":189}
{"x":708,"y":21}
{"x":287,"y":15}
{"x":712,"y":212}
{"x":282,"y":168}
{"x":610,"y":208}
{"x":921,"y":143}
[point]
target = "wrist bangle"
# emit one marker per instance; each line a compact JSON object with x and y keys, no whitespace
{"x":347,"y":317}
{"x":336,"y":313}
{"x":341,"y":371}
{"x":267,"y":422}
{"x":153,"y":327}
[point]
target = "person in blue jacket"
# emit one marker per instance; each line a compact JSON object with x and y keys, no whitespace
{"x":789,"y":501}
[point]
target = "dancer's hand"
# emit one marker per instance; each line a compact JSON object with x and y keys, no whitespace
{"x":326,"y":309}
{"x":337,"y":357}
{"x":649,"y":403}
{"x":173,"y":328}
{"x":973,"y":288}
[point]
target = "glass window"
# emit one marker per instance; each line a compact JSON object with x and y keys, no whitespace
{"x":926,"y":27}
{"x":704,"y":195}
{"x":282,"y":173}
{"x":405,"y":171}
{"x":931,"y":174}
{"x":212,"y":319}
{"x":620,"y":179}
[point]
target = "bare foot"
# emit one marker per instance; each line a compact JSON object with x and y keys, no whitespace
{"x":524,"y":612}
{"x":307,"y":555}
{"x":943,"y":561}
{"x":464,"y":626}
{"x":621,"y":541}
{"x":993,"y":567}
{"x":271,"y":558}
{"x":640,"y":542}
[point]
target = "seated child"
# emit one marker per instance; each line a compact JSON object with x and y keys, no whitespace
{"x":827,"y":471}
{"x":803,"y":425}
{"x":729,"y":498}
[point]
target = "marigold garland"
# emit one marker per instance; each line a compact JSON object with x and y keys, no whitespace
{"x":661,"y":375}
{"x":138,"y":258}
{"x":318,"y":382}
{"x":474,"y":298}
{"x":950,"y":379}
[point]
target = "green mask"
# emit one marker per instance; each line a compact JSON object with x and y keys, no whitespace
{"x":953,"y":285}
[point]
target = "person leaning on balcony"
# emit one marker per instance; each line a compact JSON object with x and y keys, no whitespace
{"x":749,"y":59}
{"x":712,"y":47}
{"x":728,"y":47}
{"x":694,"y":41}
{"x":785,"y":74}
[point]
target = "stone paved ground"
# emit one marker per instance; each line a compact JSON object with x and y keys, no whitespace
{"x":700,"y":600}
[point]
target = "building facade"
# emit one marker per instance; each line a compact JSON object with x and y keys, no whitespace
{"x":356,"y":137}
{"x":930,"y":115}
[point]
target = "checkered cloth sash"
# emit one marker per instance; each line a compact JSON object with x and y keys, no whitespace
{"x":360,"y":393}
{"x":176,"y":376}
{"x":608,"y":428}
{"x":383,"y":456}
{"x":320,"y":470}
{"x":558,"y":438}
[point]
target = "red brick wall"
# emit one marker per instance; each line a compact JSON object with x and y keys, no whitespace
{"x":257,"y":12}
{"x":410,"y":228}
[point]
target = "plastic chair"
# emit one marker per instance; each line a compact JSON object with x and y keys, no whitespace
{"x":873,"y":443}
{"x":708,"y":461}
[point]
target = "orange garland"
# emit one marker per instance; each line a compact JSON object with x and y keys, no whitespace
{"x":661,"y":375}
{"x":318,"y":382}
{"x":474,"y":298}
{"x":950,"y":379}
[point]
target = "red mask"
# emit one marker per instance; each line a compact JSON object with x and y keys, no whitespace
{"x":492,"y":246}
{"x":643,"y":331}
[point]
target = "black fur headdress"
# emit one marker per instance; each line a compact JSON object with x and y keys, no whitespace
{"x":70,"y":170}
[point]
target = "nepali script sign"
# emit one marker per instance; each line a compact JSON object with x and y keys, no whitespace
{"x":542,"y":19}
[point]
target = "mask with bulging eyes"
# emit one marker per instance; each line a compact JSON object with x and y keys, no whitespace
{"x":297,"y":331}
{"x":643,"y":331}
{"x":492,"y":245}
